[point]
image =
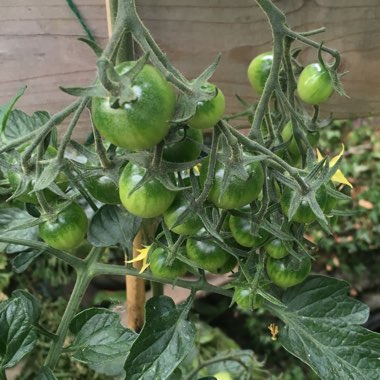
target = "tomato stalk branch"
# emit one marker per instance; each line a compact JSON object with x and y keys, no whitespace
{"x":84,"y":277}
{"x":43,"y":131}
{"x":61,"y":255}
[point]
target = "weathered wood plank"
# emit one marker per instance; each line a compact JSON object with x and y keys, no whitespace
{"x":38,"y":45}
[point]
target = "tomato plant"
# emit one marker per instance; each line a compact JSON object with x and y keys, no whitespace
{"x":161,"y":269}
{"x":206,"y":254}
{"x":258,"y":71}
{"x":66,"y":230}
{"x":276,"y":249}
{"x":241,"y":230}
{"x":149,"y":200}
{"x":143,"y":122}
{"x":236,"y":192}
{"x":103,"y":189}
{"x":246,"y":299}
{"x":304,"y":213}
{"x":187,"y":146}
{"x":209,"y":112}
{"x":314,"y":84}
{"x":190,"y":226}
{"x":288,"y":271}
{"x":247,"y":216}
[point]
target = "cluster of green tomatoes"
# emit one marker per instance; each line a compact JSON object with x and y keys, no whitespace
{"x":141,"y":125}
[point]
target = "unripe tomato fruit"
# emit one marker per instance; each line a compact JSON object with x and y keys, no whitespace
{"x":187,"y":148}
{"x":241,"y":231}
{"x":190,"y":226}
{"x":150,"y":200}
{"x":238,"y":192}
{"x":288,"y":271}
{"x":209,"y":112}
{"x":207,"y":255}
{"x":223,"y":376}
{"x":158,"y":266}
{"x":103,"y":189}
{"x":67,"y":230}
{"x":246,"y":300}
{"x":142,"y":123}
{"x":287,"y":134}
{"x":258,"y":71}
{"x":276,"y":249}
{"x":304,"y":213}
{"x":314,"y":84}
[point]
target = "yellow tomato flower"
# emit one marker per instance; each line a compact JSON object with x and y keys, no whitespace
{"x":142,"y":256}
{"x":338,"y":176}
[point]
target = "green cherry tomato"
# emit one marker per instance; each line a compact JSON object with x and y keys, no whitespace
{"x":304,"y":213}
{"x":276,"y":249}
{"x":150,"y":200}
{"x":223,"y":376}
{"x":209,"y":112}
{"x":103,"y":189}
{"x":142,"y":123}
{"x":67,"y":230}
{"x":287,"y":134}
{"x":158,"y":266}
{"x":238,"y":192}
{"x":190,"y":226}
{"x":288,"y":271}
{"x":314,"y":84}
{"x":242,"y":232}
{"x":246,"y":300}
{"x":207,"y":255}
{"x":331,"y":202}
{"x":258,"y":71}
{"x":187,"y":147}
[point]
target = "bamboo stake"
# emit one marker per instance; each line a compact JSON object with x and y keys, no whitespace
{"x":135,"y":287}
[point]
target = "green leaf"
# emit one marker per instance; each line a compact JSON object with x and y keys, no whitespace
{"x":322,"y":329}
{"x":20,"y":124}
{"x":11,"y":218}
{"x":163,"y":343}
{"x":31,"y":304}
{"x":101,"y":341}
{"x":22,"y":261}
{"x":96,"y":90}
{"x":17,"y":333}
{"x":46,"y":374}
{"x":111,"y":226}
{"x":47,"y":176}
{"x":6,"y":109}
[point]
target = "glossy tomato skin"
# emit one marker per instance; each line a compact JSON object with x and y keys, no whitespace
{"x":209,"y":112}
{"x":288,"y":271}
{"x":238,"y":192}
{"x":150,"y":200}
{"x":258,"y":71}
{"x":314,"y":84}
{"x":190,"y":226}
{"x":158,"y":266}
{"x":276,"y":249}
{"x":241,"y":231}
{"x":304,"y":213}
{"x":246,"y":300}
{"x":142,"y":123}
{"x":187,"y":148}
{"x":209,"y":256}
{"x":68,"y":229}
{"x":103,"y":189}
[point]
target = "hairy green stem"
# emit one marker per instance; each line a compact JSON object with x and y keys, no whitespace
{"x":53,"y":121}
{"x":61,"y":255}
{"x":109,"y":269}
{"x":84,"y":276}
